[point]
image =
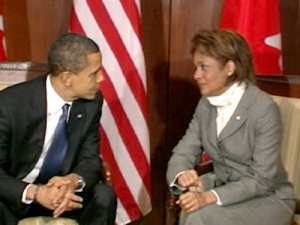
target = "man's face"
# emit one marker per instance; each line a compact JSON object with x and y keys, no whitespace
{"x":85,"y":84}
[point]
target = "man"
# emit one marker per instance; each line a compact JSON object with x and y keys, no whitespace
{"x":49,"y":140}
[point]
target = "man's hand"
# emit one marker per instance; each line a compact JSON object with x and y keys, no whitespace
{"x":189,"y":178}
{"x":70,"y":202}
{"x":46,"y":195}
{"x":192,"y":201}
{"x":65,"y":200}
{"x":66,"y":184}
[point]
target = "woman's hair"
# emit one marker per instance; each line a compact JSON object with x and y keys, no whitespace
{"x":69,"y":53}
{"x":225,"y":45}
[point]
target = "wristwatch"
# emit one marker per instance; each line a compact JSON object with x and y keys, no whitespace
{"x":81,"y":182}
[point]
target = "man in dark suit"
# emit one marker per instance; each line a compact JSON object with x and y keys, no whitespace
{"x":30,"y":116}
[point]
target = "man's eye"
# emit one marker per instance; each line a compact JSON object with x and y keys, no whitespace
{"x":93,"y":74}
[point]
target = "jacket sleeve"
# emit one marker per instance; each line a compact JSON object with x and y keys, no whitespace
{"x":187,"y":152}
{"x":11,"y":189}
{"x":89,"y":164}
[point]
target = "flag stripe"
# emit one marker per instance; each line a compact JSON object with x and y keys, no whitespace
{"x":75,"y":24}
{"x":124,"y":162}
{"x":125,"y":138}
{"x":2,"y":38}
{"x":130,"y":40}
{"x":129,"y":70}
{"x":127,"y":134}
{"x":132,"y":12}
{"x":124,"y":93}
{"x":126,"y":197}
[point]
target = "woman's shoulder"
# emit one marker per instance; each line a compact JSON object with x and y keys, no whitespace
{"x":260,"y":100}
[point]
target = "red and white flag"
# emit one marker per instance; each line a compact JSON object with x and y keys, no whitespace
{"x":259,"y":22}
{"x":2,"y":40}
{"x":115,"y":25}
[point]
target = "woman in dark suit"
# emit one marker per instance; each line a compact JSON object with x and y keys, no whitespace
{"x":239,"y":127}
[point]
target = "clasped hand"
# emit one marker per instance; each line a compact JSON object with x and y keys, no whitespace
{"x":59,"y":195}
{"x":193,"y":199}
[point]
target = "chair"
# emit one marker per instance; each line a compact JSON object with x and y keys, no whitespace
{"x":290,"y":145}
{"x":290,"y":154}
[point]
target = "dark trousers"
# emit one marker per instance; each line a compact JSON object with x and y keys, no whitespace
{"x":99,"y":207}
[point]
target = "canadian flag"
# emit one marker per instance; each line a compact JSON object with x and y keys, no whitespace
{"x":259,"y":22}
{"x":2,"y":40}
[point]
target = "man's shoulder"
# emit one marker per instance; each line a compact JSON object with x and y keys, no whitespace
{"x":23,"y":88}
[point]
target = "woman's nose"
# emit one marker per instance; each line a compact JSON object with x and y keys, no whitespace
{"x":198,"y":74}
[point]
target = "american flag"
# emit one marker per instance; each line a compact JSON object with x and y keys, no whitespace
{"x":115,"y":25}
{"x":2,"y":39}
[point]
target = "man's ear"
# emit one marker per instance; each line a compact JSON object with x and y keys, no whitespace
{"x":66,"y":78}
{"x":230,"y":67}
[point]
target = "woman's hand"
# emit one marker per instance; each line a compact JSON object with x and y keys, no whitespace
{"x":189,"y":178}
{"x":192,"y":201}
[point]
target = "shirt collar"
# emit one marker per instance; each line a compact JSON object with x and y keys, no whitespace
{"x":54,"y":101}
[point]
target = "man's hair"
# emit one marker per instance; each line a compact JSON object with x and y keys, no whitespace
{"x":69,"y":53}
{"x":225,"y":45}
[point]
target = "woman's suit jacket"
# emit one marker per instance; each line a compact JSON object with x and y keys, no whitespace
{"x":246,"y":155}
{"x":22,"y":132}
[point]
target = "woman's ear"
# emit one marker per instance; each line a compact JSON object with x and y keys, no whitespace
{"x":230,"y":67}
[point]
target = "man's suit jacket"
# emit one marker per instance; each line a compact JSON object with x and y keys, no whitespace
{"x":22,"y":132}
{"x":246,"y":155}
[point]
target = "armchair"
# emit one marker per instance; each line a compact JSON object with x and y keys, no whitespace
{"x":290,"y":154}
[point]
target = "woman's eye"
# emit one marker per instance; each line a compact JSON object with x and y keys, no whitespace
{"x":203,"y":67}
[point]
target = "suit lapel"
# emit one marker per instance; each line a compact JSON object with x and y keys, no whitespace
{"x":239,"y":116}
{"x":209,"y":119}
{"x":37,"y":114}
{"x":75,"y":126}
{"x":236,"y":121}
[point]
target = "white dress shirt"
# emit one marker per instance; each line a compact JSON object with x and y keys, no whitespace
{"x":54,"y":111}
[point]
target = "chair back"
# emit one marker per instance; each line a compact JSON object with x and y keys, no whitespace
{"x":290,"y":143}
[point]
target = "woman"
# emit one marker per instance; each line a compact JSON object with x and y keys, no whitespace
{"x":239,"y":127}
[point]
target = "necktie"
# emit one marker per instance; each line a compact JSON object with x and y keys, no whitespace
{"x":54,"y":159}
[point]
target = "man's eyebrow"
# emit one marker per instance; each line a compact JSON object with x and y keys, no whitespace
{"x":97,"y":70}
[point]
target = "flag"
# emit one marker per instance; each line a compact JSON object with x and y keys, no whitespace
{"x":2,"y":39}
{"x":115,"y":25}
{"x":259,"y":22}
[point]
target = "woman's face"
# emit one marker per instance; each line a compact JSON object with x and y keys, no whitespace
{"x":211,"y":75}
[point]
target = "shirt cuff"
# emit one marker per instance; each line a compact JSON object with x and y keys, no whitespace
{"x":177,"y":189}
{"x":24,"y":200}
{"x":218,"y":198}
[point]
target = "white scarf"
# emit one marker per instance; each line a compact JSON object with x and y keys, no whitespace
{"x":226,"y":104}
